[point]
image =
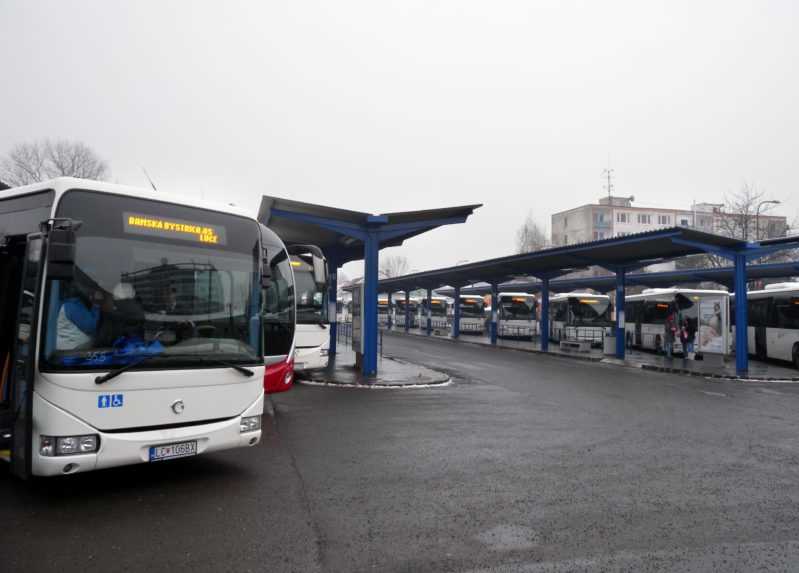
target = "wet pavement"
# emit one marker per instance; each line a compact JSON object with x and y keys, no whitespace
{"x":773,"y":371}
{"x":392,"y":373}
{"x":526,"y":463}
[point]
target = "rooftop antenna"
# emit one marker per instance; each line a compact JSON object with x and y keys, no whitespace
{"x":147,"y":175}
{"x":609,"y":174}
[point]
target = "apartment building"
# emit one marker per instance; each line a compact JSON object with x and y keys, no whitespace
{"x":617,"y":217}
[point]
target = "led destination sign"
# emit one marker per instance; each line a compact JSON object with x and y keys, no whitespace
{"x":169,"y":228}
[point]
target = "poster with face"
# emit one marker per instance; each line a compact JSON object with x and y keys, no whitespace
{"x":711,"y":330}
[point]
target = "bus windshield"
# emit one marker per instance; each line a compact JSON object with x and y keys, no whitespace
{"x":438,"y":308}
{"x":310,"y":298}
{"x":472,"y":307}
{"x":154,"y":280}
{"x":517,"y":308}
{"x":590,"y":310}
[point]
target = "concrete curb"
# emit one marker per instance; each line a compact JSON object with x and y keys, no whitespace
{"x":377,"y":385}
{"x":612,"y":361}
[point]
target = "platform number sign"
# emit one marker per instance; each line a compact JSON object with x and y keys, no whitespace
{"x":110,"y":400}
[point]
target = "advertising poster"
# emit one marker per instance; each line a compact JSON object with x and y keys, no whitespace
{"x":711,"y":325}
{"x":357,"y":319}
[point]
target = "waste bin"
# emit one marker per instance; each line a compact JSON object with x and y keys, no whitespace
{"x":609,"y":344}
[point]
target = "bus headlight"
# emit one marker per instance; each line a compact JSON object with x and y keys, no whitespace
{"x":250,"y":424}
{"x":68,"y":445}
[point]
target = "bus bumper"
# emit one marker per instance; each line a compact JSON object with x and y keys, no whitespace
{"x":310,"y":358}
{"x":127,"y":448}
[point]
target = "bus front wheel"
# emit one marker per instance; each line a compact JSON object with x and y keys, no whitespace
{"x":796,"y":356}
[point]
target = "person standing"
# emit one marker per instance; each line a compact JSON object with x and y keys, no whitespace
{"x":670,"y":332}
{"x":688,"y":338}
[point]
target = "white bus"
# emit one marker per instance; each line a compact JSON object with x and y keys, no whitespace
{"x":413,"y":312}
{"x":516,"y":317}
{"x":383,"y":311}
{"x":130,"y":330}
{"x":473,"y":319}
{"x":313,"y":327}
{"x":645,"y":318}
{"x":579,"y":316}
{"x":774,"y":322}
{"x":439,"y":309}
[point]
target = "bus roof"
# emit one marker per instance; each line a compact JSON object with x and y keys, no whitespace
{"x":524,"y":294}
{"x":675,"y":291}
{"x":779,"y":288}
{"x":471,"y":296}
{"x":565,"y":295}
{"x":61,"y":185}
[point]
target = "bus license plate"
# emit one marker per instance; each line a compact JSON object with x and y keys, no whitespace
{"x":171,"y":451}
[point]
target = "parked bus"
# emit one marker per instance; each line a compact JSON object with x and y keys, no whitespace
{"x":413,"y":312}
{"x":472,"y":314}
{"x":774,"y":322}
{"x":439,"y":309}
{"x":313,"y":328}
{"x":279,"y":317}
{"x":579,"y":316}
{"x":95,"y":373}
{"x":645,"y":317}
{"x":516,"y":317}
{"x":383,"y":311}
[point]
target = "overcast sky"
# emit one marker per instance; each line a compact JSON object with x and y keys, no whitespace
{"x":385,"y":106}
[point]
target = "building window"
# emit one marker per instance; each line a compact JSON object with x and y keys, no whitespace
{"x":684,"y":222}
{"x":622,"y":217}
{"x":644,"y":219}
{"x":566,"y":221}
{"x":664,"y":219}
{"x":599,"y":217}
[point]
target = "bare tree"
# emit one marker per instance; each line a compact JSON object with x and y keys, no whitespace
{"x":530,"y":236}
{"x":738,"y":218}
{"x":41,"y":160}
{"x":741,"y":211}
{"x":394,"y":266}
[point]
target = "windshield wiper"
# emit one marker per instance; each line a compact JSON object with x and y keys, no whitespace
{"x":208,"y":359}
{"x":246,"y":371}
{"x":114,"y":373}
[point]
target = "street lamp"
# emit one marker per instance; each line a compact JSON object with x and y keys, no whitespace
{"x":757,"y":215}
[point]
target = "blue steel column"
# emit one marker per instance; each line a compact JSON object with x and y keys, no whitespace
{"x":741,"y":318}
{"x":494,"y":311}
{"x":429,"y":311}
{"x":370,"y":278}
{"x":407,"y":311}
{"x":390,"y":311}
{"x":456,"y":314}
{"x":621,"y":279}
{"x":332,"y":303}
{"x":543,"y":324}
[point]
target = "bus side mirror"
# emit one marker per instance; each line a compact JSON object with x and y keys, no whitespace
{"x":266,"y":272}
{"x":61,"y":254}
{"x":319,"y":270}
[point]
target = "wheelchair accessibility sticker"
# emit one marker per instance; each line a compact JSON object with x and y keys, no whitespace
{"x":110,"y":400}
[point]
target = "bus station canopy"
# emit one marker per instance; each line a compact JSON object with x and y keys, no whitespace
{"x":663,"y":279}
{"x":618,"y":253}
{"x":338,"y":232}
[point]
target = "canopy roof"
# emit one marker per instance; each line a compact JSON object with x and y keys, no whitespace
{"x":605,"y":283}
{"x":628,"y":252}
{"x":337,"y":231}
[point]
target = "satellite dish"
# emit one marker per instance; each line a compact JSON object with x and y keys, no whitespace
{"x":632,"y":198}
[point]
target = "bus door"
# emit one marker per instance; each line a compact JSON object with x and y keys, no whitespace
{"x":24,"y":359}
{"x":761,"y":345}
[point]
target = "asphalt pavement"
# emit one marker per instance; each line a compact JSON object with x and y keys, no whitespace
{"x":526,"y":463}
